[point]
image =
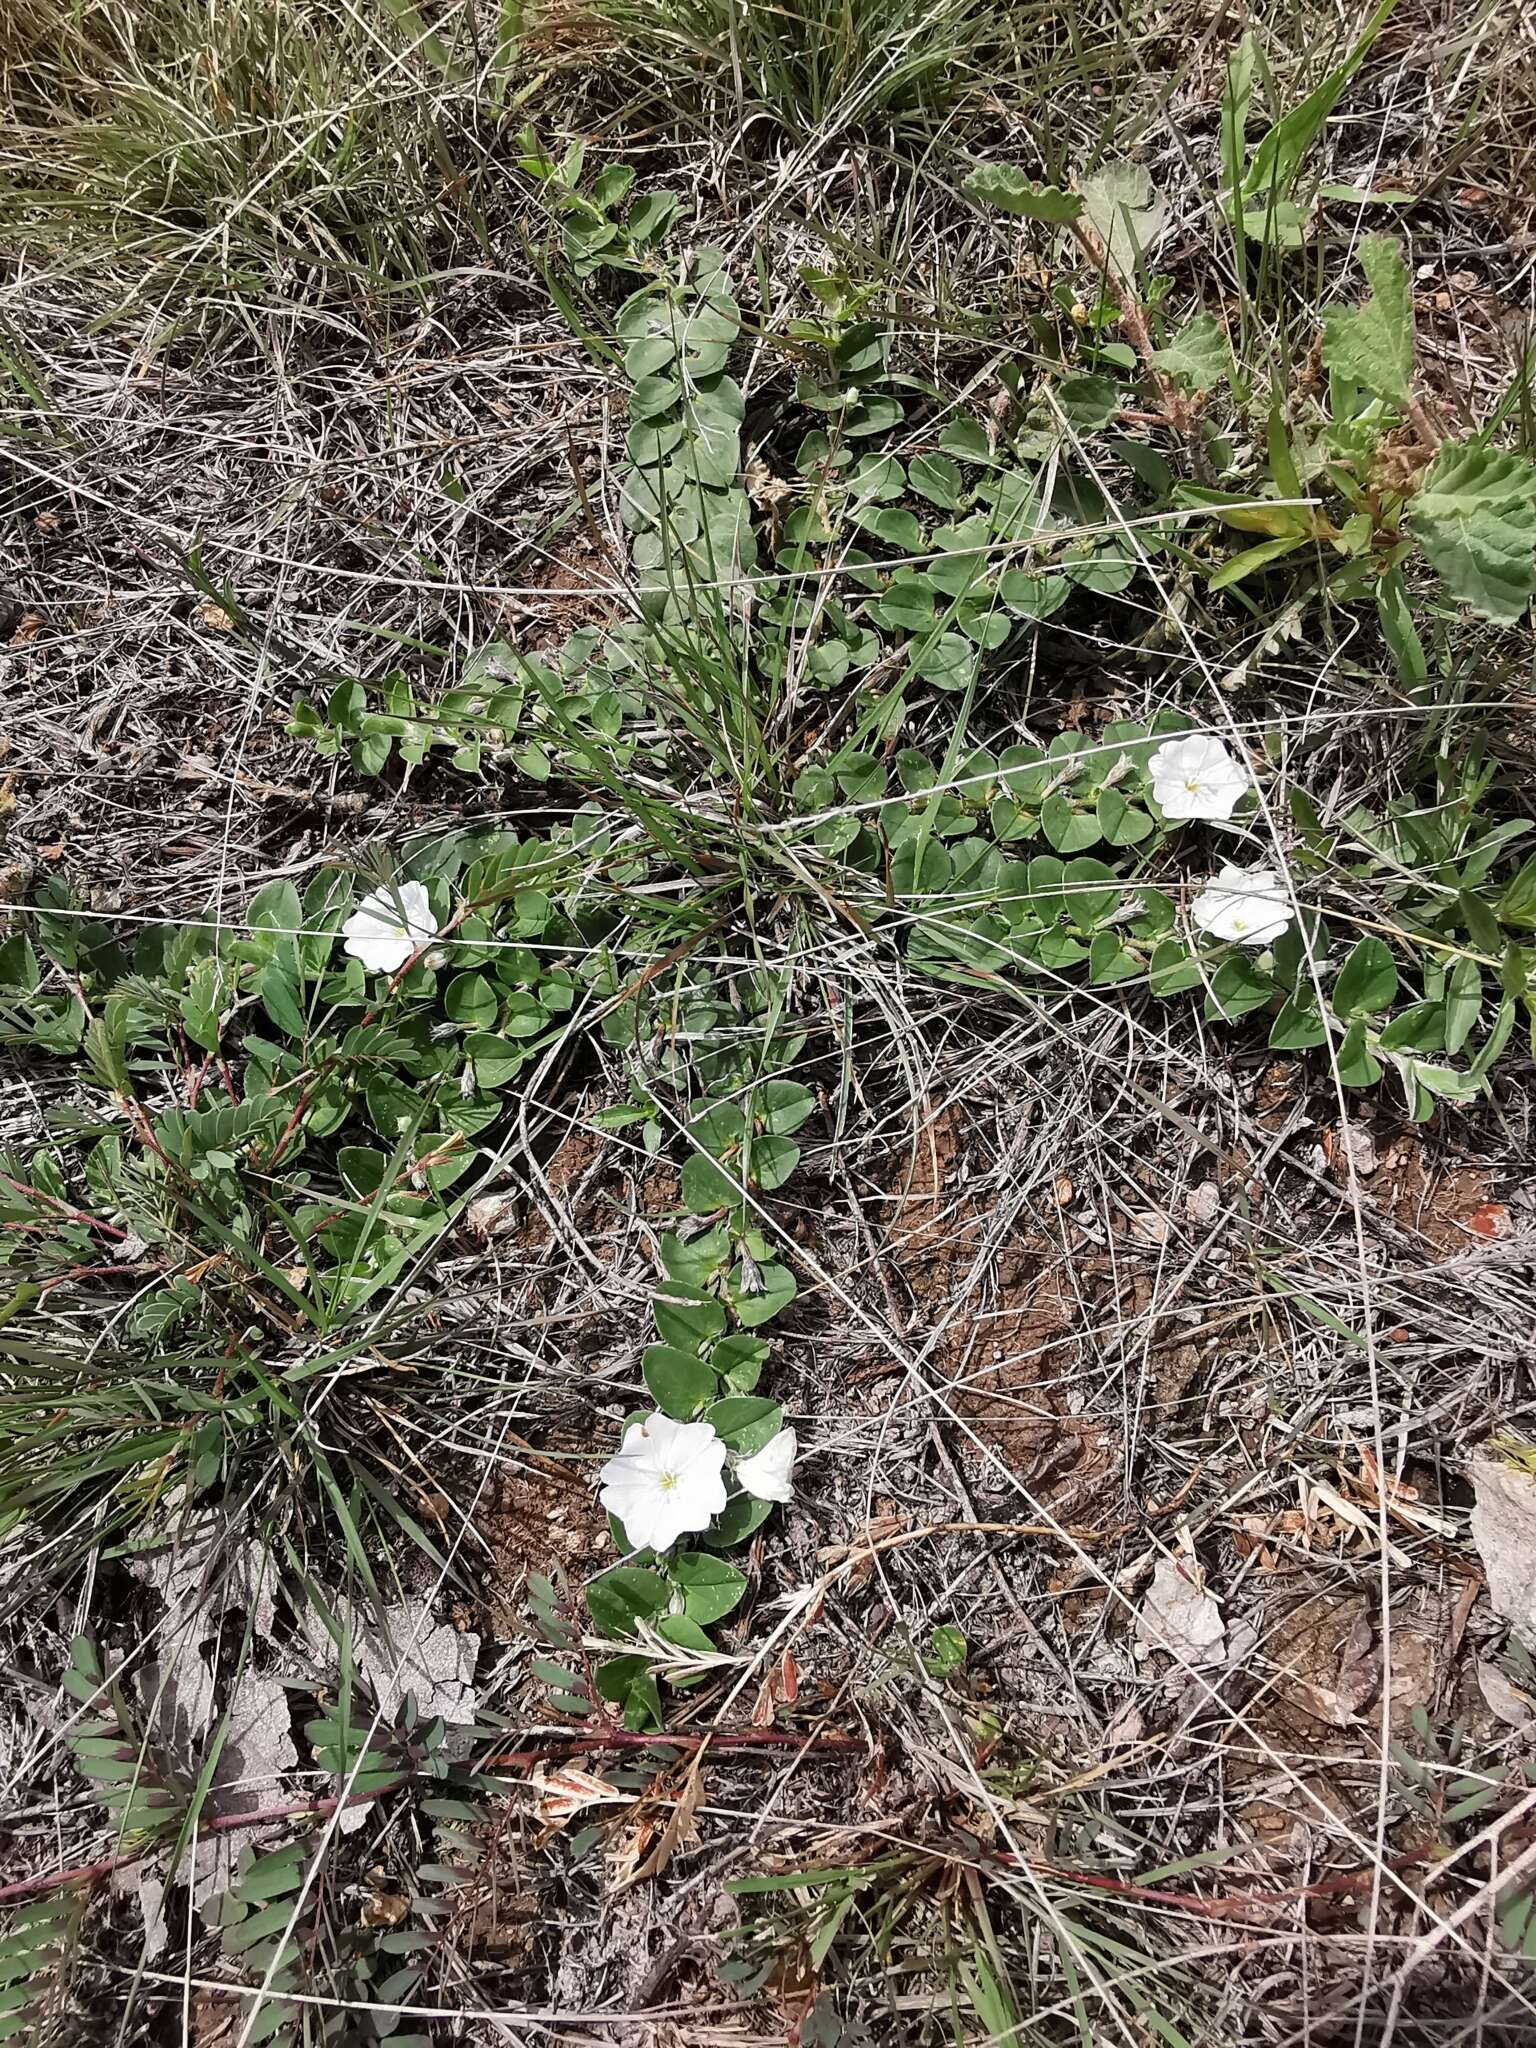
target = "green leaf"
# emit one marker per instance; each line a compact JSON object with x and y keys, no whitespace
{"x":686,"y":1317}
{"x":276,"y":908}
{"x":772,"y":1161}
{"x":707,"y":1185}
{"x":746,"y":1422}
{"x":1494,"y":1044}
{"x":1358,"y":1065}
{"x":1279,"y":224}
{"x":1122,"y":206}
{"x":1088,"y":403}
{"x":279,"y":994}
{"x":1418,"y":1028}
{"x":938,"y":479}
{"x":712,"y":1589}
{"x":739,"y":1360}
{"x":1238,"y":986}
{"x":1251,"y":560}
{"x":1091,"y":891}
{"x":782,"y":1106}
{"x":1199,"y":353}
{"x":683,"y":1630}
{"x":471,"y":1001}
{"x":628,"y":1682}
{"x":1010,"y":190}
{"x":1372,"y":344}
{"x":678,"y":1381}
{"x":1173,"y":969}
{"x":1109,"y":961}
{"x":1475,"y":518}
{"x":1398,"y":629}
{"x":893,"y":524}
{"x":741,"y":1517}
{"x":876,"y":479}
{"x":1297,"y":1027}
{"x":626,"y":1594}
{"x":1479,"y":922}
{"x":1278,"y":157}
{"x":1463,"y":1003}
{"x":966,"y":438}
{"x":1121,"y":823}
{"x":495,"y":1059}
{"x":202,"y":1004}
{"x":1068,"y":828}
{"x":947,"y":1651}
{"x":1517,"y":905}
{"x":774,"y":1290}
{"x":948,"y":660}
{"x":1236,"y":97}
{"x":1367,"y":981}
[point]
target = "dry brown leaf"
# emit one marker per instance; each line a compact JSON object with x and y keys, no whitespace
{"x":569,"y":1790}
{"x":679,"y":1829}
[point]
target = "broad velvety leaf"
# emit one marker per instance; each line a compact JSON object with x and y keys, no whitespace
{"x":1199,"y":353}
{"x":1373,"y":344}
{"x":1475,"y":518}
{"x":1011,"y":190}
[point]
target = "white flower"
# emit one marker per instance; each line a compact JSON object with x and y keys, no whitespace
{"x":1247,"y":906}
{"x":667,"y":1479}
{"x":1196,"y":777}
{"x":766,"y":1475}
{"x":388,"y":927}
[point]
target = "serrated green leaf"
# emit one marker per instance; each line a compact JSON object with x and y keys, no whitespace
{"x":1475,"y":517}
{"x":1372,"y":344}
{"x":1199,"y":353}
{"x":1011,"y":190}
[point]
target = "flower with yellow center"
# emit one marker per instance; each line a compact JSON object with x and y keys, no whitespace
{"x":1244,"y":906}
{"x":1195,"y":777}
{"x":666,"y":1481}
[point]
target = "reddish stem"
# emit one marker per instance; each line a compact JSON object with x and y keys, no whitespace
{"x":23,"y":1187}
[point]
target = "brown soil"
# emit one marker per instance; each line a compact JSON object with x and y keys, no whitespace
{"x":1002,"y":1355}
{"x":574,"y":589}
{"x":541,"y":1517}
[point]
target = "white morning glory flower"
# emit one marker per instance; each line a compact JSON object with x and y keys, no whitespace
{"x":389,"y":926}
{"x":1195,"y":777}
{"x":766,"y":1474}
{"x":667,"y":1480}
{"x":1246,"y":906}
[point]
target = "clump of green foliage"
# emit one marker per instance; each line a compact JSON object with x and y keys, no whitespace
{"x":268,"y":1140}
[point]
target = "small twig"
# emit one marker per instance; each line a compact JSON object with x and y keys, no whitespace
{"x":623,"y":1738}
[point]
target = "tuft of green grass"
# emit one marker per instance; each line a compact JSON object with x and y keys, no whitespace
{"x":816,"y":67}
{"x":261,"y":151}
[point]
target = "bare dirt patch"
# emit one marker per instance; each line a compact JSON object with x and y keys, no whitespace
{"x":541,"y":1514}
{"x":1004,"y":1313}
